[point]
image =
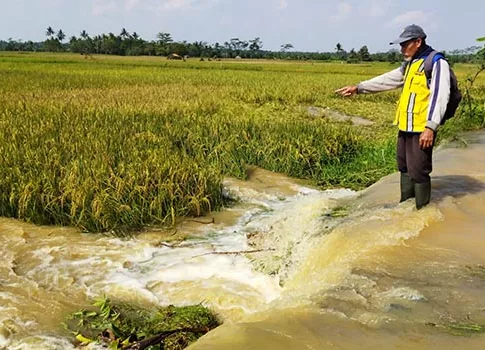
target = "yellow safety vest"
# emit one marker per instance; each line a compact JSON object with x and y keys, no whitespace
{"x":412,"y":111}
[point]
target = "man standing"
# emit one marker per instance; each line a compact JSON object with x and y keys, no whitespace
{"x":420,"y":111}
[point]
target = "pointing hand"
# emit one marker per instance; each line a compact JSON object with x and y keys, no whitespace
{"x":347,"y":90}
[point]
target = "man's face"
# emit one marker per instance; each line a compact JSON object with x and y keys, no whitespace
{"x":410,"y":47}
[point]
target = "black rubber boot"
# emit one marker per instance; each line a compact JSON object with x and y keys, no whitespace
{"x":423,"y":194}
{"x":407,"y":187}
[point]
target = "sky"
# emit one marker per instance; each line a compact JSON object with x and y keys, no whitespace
{"x":309,"y":25}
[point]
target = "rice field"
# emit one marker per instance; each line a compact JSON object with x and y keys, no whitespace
{"x":118,"y":143}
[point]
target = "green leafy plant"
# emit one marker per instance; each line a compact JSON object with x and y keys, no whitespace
{"x":120,"y":325}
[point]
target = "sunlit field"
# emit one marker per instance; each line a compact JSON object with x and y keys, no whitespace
{"x":117,"y":143}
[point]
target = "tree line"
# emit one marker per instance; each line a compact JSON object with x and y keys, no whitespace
{"x":131,"y":44}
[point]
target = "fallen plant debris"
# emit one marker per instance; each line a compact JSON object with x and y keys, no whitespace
{"x":125,"y":326}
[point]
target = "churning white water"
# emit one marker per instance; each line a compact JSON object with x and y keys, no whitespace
{"x":48,"y":271}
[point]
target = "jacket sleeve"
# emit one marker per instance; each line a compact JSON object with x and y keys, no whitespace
{"x":439,"y":93}
{"x":387,"y":81}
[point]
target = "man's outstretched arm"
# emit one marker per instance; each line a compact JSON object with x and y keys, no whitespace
{"x":384,"y":82}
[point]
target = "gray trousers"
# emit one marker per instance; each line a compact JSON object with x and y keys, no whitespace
{"x":413,"y":160}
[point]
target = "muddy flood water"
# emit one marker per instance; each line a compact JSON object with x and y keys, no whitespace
{"x":288,"y":267}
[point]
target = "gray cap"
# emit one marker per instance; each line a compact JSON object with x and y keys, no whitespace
{"x":412,"y":31}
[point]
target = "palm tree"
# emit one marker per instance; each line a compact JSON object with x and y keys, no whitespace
{"x":49,"y":32}
{"x":60,"y":35}
{"x":53,"y":43}
{"x":84,"y":35}
{"x":341,"y":54}
{"x":124,"y":33}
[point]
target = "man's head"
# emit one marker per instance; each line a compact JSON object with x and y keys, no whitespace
{"x":411,"y":39}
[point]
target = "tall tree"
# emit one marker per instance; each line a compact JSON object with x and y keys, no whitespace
{"x":124,"y":33}
{"x":49,"y":32}
{"x":52,"y":43}
{"x":29,"y":46}
{"x":256,"y":44}
{"x":340,"y":51}
{"x":97,"y":43}
{"x":60,"y":35}
{"x":353,"y":57}
{"x":164,"y":38}
{"x":84,"y":35}
{"x":286,"y":47}
{"x":364,"y":54}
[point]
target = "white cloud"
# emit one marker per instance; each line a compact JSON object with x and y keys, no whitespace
{"x":101,"y":7}
{"x":410,"y":17}
{"x":343,"y":12}
{"x":424,"y":19}
{"x":379,"y":8}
